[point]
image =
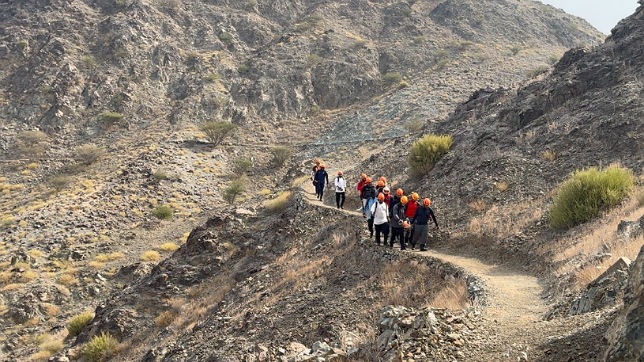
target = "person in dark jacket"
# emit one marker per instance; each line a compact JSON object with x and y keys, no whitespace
{"x":422,"y":217}
{"x":394,"y":200}
{"x":397,"y":222}
{"x":321,"y":179}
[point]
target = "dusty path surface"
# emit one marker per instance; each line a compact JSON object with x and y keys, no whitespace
{"x":512,"y":319}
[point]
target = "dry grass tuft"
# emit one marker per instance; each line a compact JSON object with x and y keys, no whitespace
{"x":151,"y":255}
{"x":280,"y":203}
{"x":169,"y":246}
{"x":165,"y":318}
{"x":67,"y":279}
{"x":478,"y":205}
{"x":452,"y":296}
{"x":502,"y":186}
{"x":548,"y":155}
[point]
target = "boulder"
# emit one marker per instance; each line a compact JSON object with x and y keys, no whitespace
{"x":604,"y":290}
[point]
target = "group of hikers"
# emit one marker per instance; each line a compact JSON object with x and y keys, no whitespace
{"x":392,"y":216}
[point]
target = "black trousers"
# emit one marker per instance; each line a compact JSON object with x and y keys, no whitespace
{"x":384,"y":229}
{"x":319,"y":190}
{"x":400,"y":234}
{"x":339,"y":199}
{"x":370,"y":227}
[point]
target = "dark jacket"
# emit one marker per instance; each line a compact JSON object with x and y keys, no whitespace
{"x":368,"y":191}
{"x":423,"y":215}
{"x":394,"y":200}
{"x":398,"y":216}
{"x":321,"y":177}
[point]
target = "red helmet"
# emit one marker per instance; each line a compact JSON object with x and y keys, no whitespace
{"x":427,"y":202}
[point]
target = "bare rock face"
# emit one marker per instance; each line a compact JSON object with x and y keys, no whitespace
{"x":626,"y":335}
{"x":604,"y":290}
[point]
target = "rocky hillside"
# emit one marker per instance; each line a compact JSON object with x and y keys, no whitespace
{"x":136,"y":78}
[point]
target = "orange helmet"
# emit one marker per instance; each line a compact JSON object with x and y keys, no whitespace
{"x":339,"y":173}
{"x":317,"y":161}
{"x":322,"y":165}
{"x":363,"y":176}
{"x":381,"y":197}
{"x":399,"y":192}
{"x":403,"y":200}
{"x":405,"y":224}
{"x":427,"y":202}
{"x":386,"y":190}
{"x":380,"y":183}
{"x":414,"y":196}
{"x":383,"y":179}
{"x":368,"y":180}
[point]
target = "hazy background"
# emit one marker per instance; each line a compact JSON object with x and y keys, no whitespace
{"x":602,"y":14}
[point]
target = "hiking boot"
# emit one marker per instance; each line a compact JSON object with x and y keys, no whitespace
{"x":422,"y":249}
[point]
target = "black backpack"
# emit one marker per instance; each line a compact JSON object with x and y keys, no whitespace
{"x":370,"y":192}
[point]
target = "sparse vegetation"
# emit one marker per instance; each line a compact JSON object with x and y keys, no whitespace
{"x":217,"y":131}
{"x":160,"y":175}
{"x":502,"y":186}
{"x":554,"y":58}
{"x":89,"y":61}
{"x":78,"y":323}
{"x":588,"y":192}
{"x":109,"y":119}
{"x":281,"y":154}
{"x":59,"y":182}
{"x":212,"y":77}
{"x":168,"y":246}
{"x":88,"y":154}
{"x":150,"y":255}
{"x":241,"y":165}
{"x":226,"y":38}
{"x":100,"y":347}
{"x":280,"y":203}
{"x":549,"y":155}
{"x":392,"y":78}
{"x":32,"y":137}
{"x":234,"y":189}
{"x":415,"y":125}
{"x":243,"y":68}
{"x":313,"y":59}
{"x":537,"y":71}
{"x":514,"y":50}
{"x":426,"y":151}
{"x":165,"y":318}
{"x":163,"y":212}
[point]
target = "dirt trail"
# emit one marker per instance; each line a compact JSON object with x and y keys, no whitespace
{"x":514,"y":307}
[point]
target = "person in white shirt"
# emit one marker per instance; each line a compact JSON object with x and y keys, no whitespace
{"x":380,"y":215}
{"x":340,"y":188}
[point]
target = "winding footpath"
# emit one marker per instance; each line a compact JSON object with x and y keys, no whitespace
{"x":514,"y":307}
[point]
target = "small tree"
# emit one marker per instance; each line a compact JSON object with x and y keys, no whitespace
{"x":426,"y":151}
{"x":234,"y":189}
{"x":280,"y":155}
{"x":88,"y":154}
{"x":241,"y":165}
{"x":217,"y":131}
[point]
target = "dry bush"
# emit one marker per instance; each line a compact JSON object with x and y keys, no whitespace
{"x":51,"y":310}
{"x":280,"y":203}
{"x":32,"y":137}
{"x":299,"y":181}
{"x":452,"y":295}
{"x":151,"y":255}
{"x":100,"y":348}
{"x":109,"y":119}
{"x":478,"y":205}
{"x":165,"y":318}
{"x":280,"y":154}
{"x":508,"y":220}
{"x":88,"y":154}
{"x":67,"y":279}
{"x":169,"y":246}
{"x":502,"y":186}
{"x":59,"y":182}
{"x":406,"y":283}
{"x":548,"y":155}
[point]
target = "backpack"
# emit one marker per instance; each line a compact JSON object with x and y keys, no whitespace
{"x":369,"y":192}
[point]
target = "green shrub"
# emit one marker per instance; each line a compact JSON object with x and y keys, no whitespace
{"x":77,"y":323}
{"x":109,"y":119}
{"x":241,"y":165}
{"x":280,"y":155}
{"x":160,"y":175}
{"x":88,"y":154}
{"x":89,"y":61}
{"x":226,"y":38}
{"x":586,"y":193}
{"x":163,"y":212}
{"x":100,"y":348}
{"x":243,"y":68}
{"x":392,"y":78}
{"x":211,"y":77}
{"x":234,"y":189}
{"x":426,"y":151}
{"x":515,"y":50}
{"x":217,"y":131}
{"x":537,"y":71}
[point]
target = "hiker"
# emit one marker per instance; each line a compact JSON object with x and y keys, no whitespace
{"x":394,"y":201}
{"x":383,"y":179}
{"x":359,"y":185}
{"x":321,"y":179}
{"x":380,"y":185}
{"x":380,"y":216}
{"x":410,"y":211}
{"x":369,"y":195}
{"x":386,"y":191}
{"x":340,"y":187}
{"x":315,"y":169}
{"x":423,"y":215}
{"x":397,"y":223}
